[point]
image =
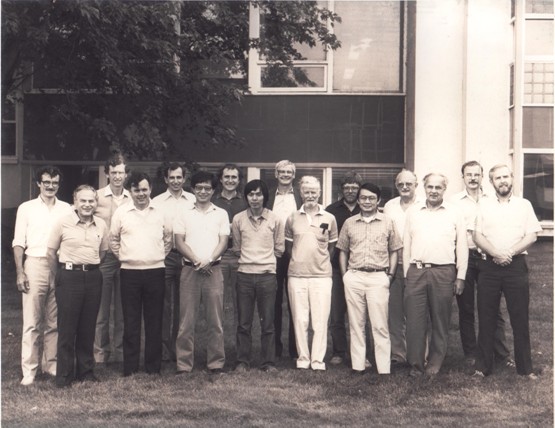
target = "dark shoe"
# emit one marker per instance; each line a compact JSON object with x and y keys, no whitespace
{"x":89,"y":377}
{"x":269,"y":369}
{"x":63,"y":382}
{"x":216,"y":372}
{"x":336,"y":360}
{"x":414,"y":372}
{"x":182,"y":372}
{"x":358,"y":372}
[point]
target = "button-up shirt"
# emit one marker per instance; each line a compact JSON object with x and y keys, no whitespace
{"x":310,"y":256}
{"x":171,"y":206}
{"x":257,"y":241}
{"x":369,"y":243}
{"x":436,"y":236}
{"x":469,"y":208}
{"x":284,"y":204}
{"x":341,"y":212}
{"x":504,"y":224}
{"x":140,"y":239}
{"x":79,"y":242}
{"x":395,"y":211}
{"x":108,"y":203}
{"x":202,"y":229}
{"x":34,"y":222}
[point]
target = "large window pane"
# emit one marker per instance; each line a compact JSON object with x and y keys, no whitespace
{"x":539,"y":37}
{"x":538,"y":83}
{"x":539,"y":6}
{"x":370,"y":54}
{"x":269,"y":177}
{"x":299,"y":77}
{"x":537,"y":127}
{"x":382,"y":177}
{"x":538,"y":183}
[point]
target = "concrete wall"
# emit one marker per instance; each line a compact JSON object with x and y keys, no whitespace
{"x":461,"y":86}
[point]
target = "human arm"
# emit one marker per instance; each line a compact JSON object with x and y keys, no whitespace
{"x":52,"y":260}
{"x":407,"y":243}
{"x":393,"y":260}
{"x":288,"y":247}
{"x":236,"y":237}
{"x":279,"y":239}
{"x":114,"y":237}
{"x":21,"y":278}
{"x":343,"y":261}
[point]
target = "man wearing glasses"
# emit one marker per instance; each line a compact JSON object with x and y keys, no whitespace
{"x":343,"y":209}
{"x":201,"y":234}
{"x":34,"y":221}
{"x":406,"y":184}
{"x":368,"y":246}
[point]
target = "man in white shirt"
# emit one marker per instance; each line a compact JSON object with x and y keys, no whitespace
{"x":141,"y":239}
{"x":396,"y":208}
{"x":467,"y":200}
{"x":435,"y":257}
{"x":172,"y":201}
{"x":201,"y":235}
{"x":110,"y":317}
{"x":34,"y":221}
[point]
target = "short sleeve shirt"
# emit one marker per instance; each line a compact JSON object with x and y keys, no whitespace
{"x":78,"y":242}
{"x":310,"y":256}
{"x":369,"y":244}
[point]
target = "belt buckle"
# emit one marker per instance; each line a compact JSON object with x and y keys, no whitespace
{"x":69,"y":266}
{"x":84,"y":268}
{"x":484,"y":256}
{"x":418,"y":264}
{"x":427,"y":265}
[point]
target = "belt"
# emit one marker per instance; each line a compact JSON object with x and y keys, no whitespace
{"x":365,"y":269}
{"x":430,"y":265}
{"x":488,"y":257}
{"x":174,"y":250}
{"x":83,"y":268}
{"x":188,"y":263}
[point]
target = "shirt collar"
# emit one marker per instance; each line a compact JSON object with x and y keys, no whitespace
{"x":377,"y":216}
{"x":108,"y":192}
{"x":167,"y":195}
{"x":237,"y":196}
{"x":77,"y":220}
{"x":264,"y":214}
{"x":289,"y":192}
{"x":422,"y":205}
{"x":318,"y":213}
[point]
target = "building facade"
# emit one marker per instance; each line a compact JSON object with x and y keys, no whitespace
{"x":425,"y":85}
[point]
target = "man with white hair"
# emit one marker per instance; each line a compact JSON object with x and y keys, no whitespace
{"x":310,"y":237}
{"x":435,"y":258}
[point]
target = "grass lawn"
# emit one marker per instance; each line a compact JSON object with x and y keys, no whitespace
{"x":291,"y":397}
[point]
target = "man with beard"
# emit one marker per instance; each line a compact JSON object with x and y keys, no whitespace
{"x":435,"y":256}
{"x":172,"y":201}
{"x":505,"y":227}
{"x":467,"y":200}
{"x":310,"y":237}
{"x":343,"y":209}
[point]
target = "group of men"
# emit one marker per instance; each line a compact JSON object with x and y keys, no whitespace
{"x":90,"y":274}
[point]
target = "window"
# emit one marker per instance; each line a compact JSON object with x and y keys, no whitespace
{"x":539,"y":37}
{"x":538,"y":83}
{"x":370,"y":59}
{"x":537,"y":127}
{"x":9,"y":127}
{"x":538,"y":184}
{"x":539,"y":6}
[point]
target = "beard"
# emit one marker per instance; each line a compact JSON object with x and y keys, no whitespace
{"x":504,"y":190}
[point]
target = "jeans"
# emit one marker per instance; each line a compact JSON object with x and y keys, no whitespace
{"x":110,"y":315}
{"x":195,"y":287}
{"x":78,"y":298}
{"x":142,"y":292}
{"x":259,"y":289}
{"x":39,"y":318}
{"x":512,"y":282}
{"x":170,"y":317}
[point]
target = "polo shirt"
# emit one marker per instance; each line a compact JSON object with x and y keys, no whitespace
{"x":231,"y":206}
{"x":257,"y":241}
{"x":78,"y":242}
{"x":310,"y":256}
{"x":171,"y":205}
{"x":504,"y":224}
{"x":108,"y":203}
{"x":341,"y":212}
{"x":369,"y":243}
{"x":436,"y":236}
{"x":34,"y":222}
{"x":202,"y":229}
{"x":140,"y":239}
{"x":469,"y":209}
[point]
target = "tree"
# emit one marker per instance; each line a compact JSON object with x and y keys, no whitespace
{"x":135,"y":75}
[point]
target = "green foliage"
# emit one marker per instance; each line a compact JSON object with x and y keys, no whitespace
{"x":157,"y":55}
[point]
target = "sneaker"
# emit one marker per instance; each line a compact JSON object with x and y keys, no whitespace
{"x":336,"y":360}
{"x":367,"y":364}
{"x":27,"y":380}
{"x":240,"y":368}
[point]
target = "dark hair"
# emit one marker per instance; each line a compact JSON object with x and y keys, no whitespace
{"x":204,"y":176}
{"x":351,"y":177}
{"x":230,"y":166}
{"x":371,"y":187}
{"x":166,"y":167}
{"x":136,"y":177}
{"x":472,"y":163}
{"x":115,"y":159}
{"x":52,"y":171}
{"x":254,"y":185}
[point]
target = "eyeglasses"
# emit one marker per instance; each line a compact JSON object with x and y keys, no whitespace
{"x":206,"y":189}
{"x":405,"y":184}
{"x":367,"y":198}
{"x":351,"y":188}
{"x":49,"y":183}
